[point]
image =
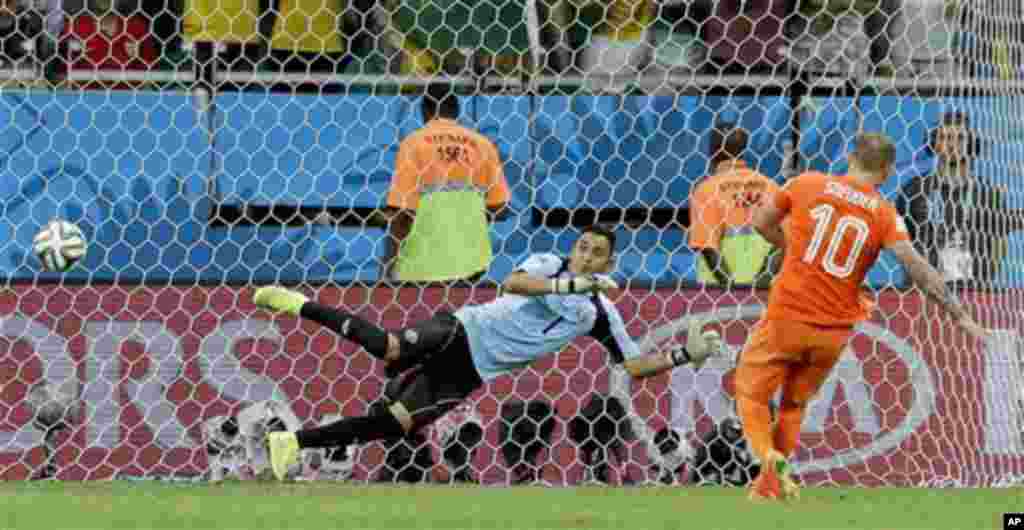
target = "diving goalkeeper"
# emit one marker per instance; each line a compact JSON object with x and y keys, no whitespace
{"x":547,"y":303}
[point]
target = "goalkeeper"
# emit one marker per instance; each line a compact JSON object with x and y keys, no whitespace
{"x":546,"y":304}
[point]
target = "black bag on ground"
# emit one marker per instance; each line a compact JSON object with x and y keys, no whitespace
{"x":601,"y":430}
{"x":722,"y":457}
{"x":526,"y":429}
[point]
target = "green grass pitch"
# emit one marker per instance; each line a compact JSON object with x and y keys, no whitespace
{"x":320,"y":506}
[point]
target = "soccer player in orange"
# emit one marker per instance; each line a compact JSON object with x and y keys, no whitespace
{"x":836,"y":226}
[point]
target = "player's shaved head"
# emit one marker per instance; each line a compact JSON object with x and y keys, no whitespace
{"x":875,"y":153}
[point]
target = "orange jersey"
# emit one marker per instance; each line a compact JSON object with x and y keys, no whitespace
{"x":444,"y":156}
{"x":726,"y":201}
{"x":835,"y":229}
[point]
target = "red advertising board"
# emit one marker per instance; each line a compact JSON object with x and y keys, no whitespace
{"x":913,"y":401}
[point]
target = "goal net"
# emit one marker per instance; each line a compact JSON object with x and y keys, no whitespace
{"x":255,"y":147}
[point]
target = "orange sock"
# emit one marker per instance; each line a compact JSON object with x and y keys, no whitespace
{"x":757,"y":426}
{"x":787,"y":429}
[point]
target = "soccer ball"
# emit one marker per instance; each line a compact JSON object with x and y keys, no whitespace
{"x":59,"y":245}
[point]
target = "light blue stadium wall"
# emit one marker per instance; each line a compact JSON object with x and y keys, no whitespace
{"x":139,"y":173}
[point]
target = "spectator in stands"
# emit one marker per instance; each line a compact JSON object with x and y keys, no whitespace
{"x":625,"y":38}
{"x":54,"y":14}
{"x":101,"y":39}
{"x":942,"y":38}
{"x":745,"y":36}
{"x":448,"y":181}
{"x":842,"y":37}
{"x":985,"y":40}
{"x":618,"y":43}
{"x":675,"y":37}
{"x":222,"y":34}
{"x":721,"y":208}
{"x":924,"y":35}
{"x":504,"y":46}
{"x":165,"y":25}
{"x":18,"y":29}
{"x":307,"y":36}
{"x":429,"y":37}
{"x":955,"y":219}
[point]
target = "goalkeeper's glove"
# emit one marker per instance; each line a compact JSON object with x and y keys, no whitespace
{"x":591,"y":283}
{"x":700,"y":346}
{"x":678,"y":355}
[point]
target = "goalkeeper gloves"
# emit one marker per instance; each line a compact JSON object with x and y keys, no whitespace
{"x":592,"y":283}
{"x":700,"y":346}
{"x":678,"y":355}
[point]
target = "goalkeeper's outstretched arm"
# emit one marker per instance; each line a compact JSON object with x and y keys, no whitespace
{"x":655,"y":363}
{"x":526,"y":284}
{"x":700,"y":345}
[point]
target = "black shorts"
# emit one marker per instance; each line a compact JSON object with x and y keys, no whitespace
{"x":445,"y":377}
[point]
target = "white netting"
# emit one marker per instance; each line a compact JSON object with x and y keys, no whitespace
{"x":209,"y":146}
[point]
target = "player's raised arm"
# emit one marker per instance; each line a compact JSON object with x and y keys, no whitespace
{"x":932,"y":283}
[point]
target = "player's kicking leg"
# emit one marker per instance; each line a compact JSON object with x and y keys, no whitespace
{"x":786,"y":436}
{"x":802,"y":383}
{"x":796,"y":357}
{"x":761,"y":372}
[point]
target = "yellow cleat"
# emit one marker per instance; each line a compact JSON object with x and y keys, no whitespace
{"x":279,"y":300}
{"x":284,"y":452}
{"x":790,"y":489}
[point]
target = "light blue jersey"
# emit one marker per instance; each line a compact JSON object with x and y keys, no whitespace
{"x":513,"y":331}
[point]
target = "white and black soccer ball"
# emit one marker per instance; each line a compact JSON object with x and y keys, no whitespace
{"x":59,"y":245}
